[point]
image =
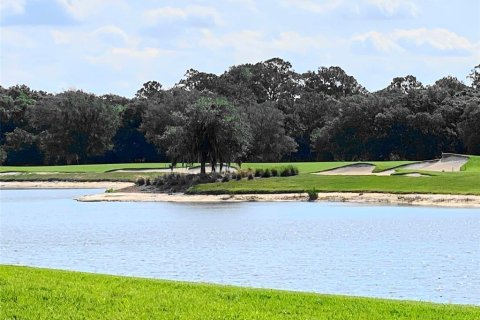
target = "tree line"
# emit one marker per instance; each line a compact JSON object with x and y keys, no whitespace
{"x":252,"y":112}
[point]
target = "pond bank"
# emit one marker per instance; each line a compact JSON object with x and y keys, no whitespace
{"x":441,"y":200}
{"x":416,"y":199}
{"x":25,"y":291}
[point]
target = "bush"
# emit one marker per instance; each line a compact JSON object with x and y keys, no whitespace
{"x":226,"y":178}
{"x":293,"y":171}
{"x":250,"y":176}
{"x":238,"y":176}
{"x":147,"y":181}
{"x":258,"y":173}
{"x":275,"y":172}
{"x":267,"y":173}
{"x":140,"y":181}
{"x":312,"y":194}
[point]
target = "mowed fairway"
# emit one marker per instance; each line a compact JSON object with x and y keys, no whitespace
{"x":31,"y":293}
{"x":466,"y":181}
{"x":463,"y":182}
{"x":446,"y":183}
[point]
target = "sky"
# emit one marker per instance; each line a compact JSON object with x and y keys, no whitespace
{"x":114,"y":46}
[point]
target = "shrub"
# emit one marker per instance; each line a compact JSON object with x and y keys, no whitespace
{"x":140,"y":181}
{"x":250,"y":176}
{"x":111,"y":190}
{"x":258,"y":172}
{"x":293,"y":171}
{"x":238,"y":176}
{"x":267,"y":173}
{"x":275,"y":172}
{"x":226,"y":178}
{"x":312,"y":194}
{"x":147,"y":181}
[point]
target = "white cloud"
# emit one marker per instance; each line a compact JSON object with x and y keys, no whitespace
{"x":368,"y":8}
{"x":252,"y":46}
{"x":93,"y":39}
{"x":441,"y":39}
{"x":118,"y":58}
{"x":380,"y":41}
{"x":437,"y":39}
{"x":12,"y":6}
{"x":175,"y":13}
{"x":391,"y":7}
{"x":81,"y":9}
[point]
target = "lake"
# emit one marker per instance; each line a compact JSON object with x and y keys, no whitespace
{"x":400,"y":252}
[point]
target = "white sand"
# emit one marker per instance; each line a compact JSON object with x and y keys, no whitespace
{"x":356,"y":169}
{"x":448,"y":163}
{"x":370,"y":198}
{"x":63,"y":185}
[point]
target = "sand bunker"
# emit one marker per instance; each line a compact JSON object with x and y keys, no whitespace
{"x":357,"y":169}
{"x":448,"y":163}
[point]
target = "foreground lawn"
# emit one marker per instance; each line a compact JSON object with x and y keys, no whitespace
{"x":446,"y":183}
{"x":31,"y":293}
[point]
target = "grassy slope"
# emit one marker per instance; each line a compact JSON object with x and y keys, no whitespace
{"x":447,"y":183}
{"x":465,"y":182}
{"x":308,"y":167}
{"x":473,"y":164}
{"x":31,"y":293}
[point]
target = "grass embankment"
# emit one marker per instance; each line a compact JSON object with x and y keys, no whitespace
{"x":31,"y":293}
{"x":447,"y":183}
{"x":464,"y":182}
{"x":309,"y":167}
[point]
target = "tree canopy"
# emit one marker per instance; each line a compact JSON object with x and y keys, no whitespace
{"x":251,"y":112}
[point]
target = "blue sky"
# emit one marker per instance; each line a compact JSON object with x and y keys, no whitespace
{"x":114,"y":46}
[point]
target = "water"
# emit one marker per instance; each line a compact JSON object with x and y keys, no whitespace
{"x":429,"y":254}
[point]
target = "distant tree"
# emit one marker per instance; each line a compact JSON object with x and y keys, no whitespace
{"x":200,"y":81}
{"x":475,"y":77}
{"x":270,"y":142}
{"x":73,"y":126}
{"x":333,"y":81}
{"x":210,"y":130}
{"x":450,"y":84}
{"x":149,"y":90}
{"x":272,"y":80}
{"x":405,"y":84}
{"x":469,"y":122}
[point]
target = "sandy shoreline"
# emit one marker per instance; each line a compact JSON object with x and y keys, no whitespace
{"x":440,"y":200}
{"x":8,"y":185}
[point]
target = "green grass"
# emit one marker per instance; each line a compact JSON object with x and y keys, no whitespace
{"x":98,"y":168}
{"x":31,"y":293}
{"x":473,"y":164}
{"x":443,"y":183}
{"x":79,"y":176}
{"x":304,"y":167}
{"x":308,"y":167}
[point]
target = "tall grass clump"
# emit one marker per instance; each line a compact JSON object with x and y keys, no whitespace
{"x":312,"y":194}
